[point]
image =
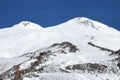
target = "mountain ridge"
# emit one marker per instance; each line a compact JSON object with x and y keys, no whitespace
{"x":79,"y":20}
{"x":22,"y":39}
{"x":80,"y":48}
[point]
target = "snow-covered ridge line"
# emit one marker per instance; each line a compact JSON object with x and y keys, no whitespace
{"x":28,"y":37}
{"x":62,"y":49}
{"x":79,"y":20}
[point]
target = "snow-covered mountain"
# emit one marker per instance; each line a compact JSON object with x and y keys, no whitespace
{"x":80,"y":47}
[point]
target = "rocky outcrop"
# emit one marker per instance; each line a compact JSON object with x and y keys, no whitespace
{"x":117,"y":52}
{"x":36,"y":59}
{"x":101,"y":48}
{"x":16,"y":73}
{"x":88,"y":67}
{"x":66,"y":45}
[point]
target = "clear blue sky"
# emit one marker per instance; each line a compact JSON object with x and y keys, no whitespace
{"x":53,"y":12}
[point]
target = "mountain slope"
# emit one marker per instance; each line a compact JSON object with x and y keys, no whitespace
{"x":13,"y":39}
{"x":80,"y":47}
{"x":52,"y":62}
{"x":21,"y":39}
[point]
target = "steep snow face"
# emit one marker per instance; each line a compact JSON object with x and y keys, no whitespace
{"x":85,"y":26}
{"x":28,"y":37}
{"x":81,"y":30}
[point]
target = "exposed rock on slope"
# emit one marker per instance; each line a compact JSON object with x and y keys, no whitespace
{"x":91,"y":51}
{"x":36,"y":59}
{"x":45,"y":61}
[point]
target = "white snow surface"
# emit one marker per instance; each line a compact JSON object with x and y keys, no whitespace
{"x":28,"y":37}
{"x":58,"y":76}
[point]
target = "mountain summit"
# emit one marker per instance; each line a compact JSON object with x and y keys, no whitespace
{"x":28,"y":24}
{"x":83,"y":21}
